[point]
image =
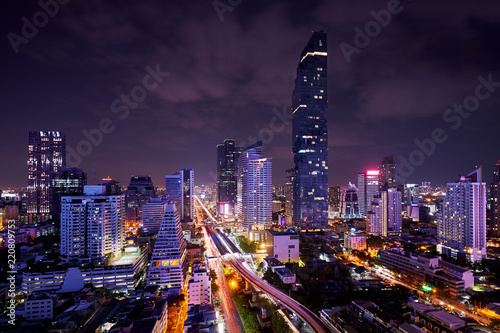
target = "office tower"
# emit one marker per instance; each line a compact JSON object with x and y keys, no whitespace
{"x":66,"y":181}
{"x":187,"y":207}
{"x":495,"y":202}
{"x":289,"y":180}
{"x":384,"y":214}
{"x":349,"y":207}
{"x":152,"y":214}
{"x":173,"y":189}
{"x":92,"y":225}
{"x":113,"y":187}
{"x":227,"y":175}
{"x":411,"y":195}
{"x":367,"y":188}
{"x":462,"y":223}
{"x":254,"y":187}
{"x":389,"y":176}
{"x":334,"y":196}
{"x":46,"y":155}
{"x":138,"y":192}
{"x":169,"y":253}
{"x":310,"y":136}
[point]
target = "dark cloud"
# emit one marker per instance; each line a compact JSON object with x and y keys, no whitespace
{"x":226,"y":77}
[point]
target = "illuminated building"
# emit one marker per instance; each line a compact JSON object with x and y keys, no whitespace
{"x":389,"y":176}
{"x":289,"y":181}
{"x":227,"y":177}
{"x":113,"y":187}
{"x":462,"y":222}
{"x":254,"y":187}
{"x":46,"y":155}
{"x":199,"y":287}
{"x":494,"y":227}
{"x":179,"y":189}
{"x":349,"y":208}
{"x":152,"y":214}
{"x":139,"y":191}
{"x":310,"y":136}
{"x":169,"y":253}
{"x":92,"y":225}
{"x":65,"y":182}
{"x":283,"y":245}
{"x":187,"y":207}
{"x":354,"y":240}
{"x":367,"y":188}
{"x":173,"y":189}
{"x":384,"y":215}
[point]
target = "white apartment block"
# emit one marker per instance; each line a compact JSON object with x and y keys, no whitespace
{"x":39,"y":307}
{"x":200,"y":288}
{"x":92,"y":225}
{"x":462,"y":222}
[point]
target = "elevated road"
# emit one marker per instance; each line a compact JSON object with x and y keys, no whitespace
{"x":307,"y":315}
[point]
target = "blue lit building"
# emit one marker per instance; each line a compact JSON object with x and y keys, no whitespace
{"x":310,"y":136}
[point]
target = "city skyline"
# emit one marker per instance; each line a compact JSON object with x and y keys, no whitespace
{"x":373,"y":99}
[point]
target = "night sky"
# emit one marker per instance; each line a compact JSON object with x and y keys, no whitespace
{"x":225,"y":78}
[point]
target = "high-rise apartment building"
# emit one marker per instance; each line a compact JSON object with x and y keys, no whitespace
{"x":65,"y":182}
{"x":92,"y":225}
{"x":384,"y":214}
{"x":187,"y":197}
{"x":367,"y":189}
{"x":46,"y":155}
{"x":169,"y":253}
{"x":494,"y":227}
{"x":227,"y":177}
{"x":254,"y":187}
{"x":462,"y":222}
{"x":334,"y":196}
{"x":289,"y":181}
{"x":173,"y":189}
{"x":310,"y":136}
{"x":138,"y":192}
{"x":389,"y":176}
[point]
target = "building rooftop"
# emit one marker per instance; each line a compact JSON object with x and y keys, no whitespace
{"x":273,"y":262}
{"x":288,"y":232}
{"x":446,"y":317}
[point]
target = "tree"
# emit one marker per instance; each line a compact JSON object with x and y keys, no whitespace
{"x":278,"y":323}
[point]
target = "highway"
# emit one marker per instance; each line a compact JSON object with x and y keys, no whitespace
{"x":307,"y":315}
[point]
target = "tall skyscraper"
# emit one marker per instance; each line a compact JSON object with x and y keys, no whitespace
{"x":254,"y":187}
{"x":173,"y":189}
{"x":92,"y":225}
{"x":334,"y":196}
{"x":227,"y":175}
{"x":389,"y":176}
{"x":138,"y":192}
{"x":46,"y":155}
{"x":152,"y":214}
{"x":349,"y":207}
{"x":384,"y":213}
{"x":310,"y":135}
{"x":289,"y":181}
{"x":169,"y":253}
{"x":187,"y":205}
{"x":494,"y":227}
{"x":179,"y":189}
{"x":65,"y":182}
{"x":113,"y":186}
{"x":367,"y":189}
{"x":462,"y":222}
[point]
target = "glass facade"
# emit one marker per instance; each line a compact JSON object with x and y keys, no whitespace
{"x":310,"y":136}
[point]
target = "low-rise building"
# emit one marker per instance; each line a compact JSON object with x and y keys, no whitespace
{"x":354,"y":240}
{"x":199,"y":286}
{"x":271,"y":263}
{"x":285,"y":275}
{"x":283,"y":245}
{"x":39,"y":307}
